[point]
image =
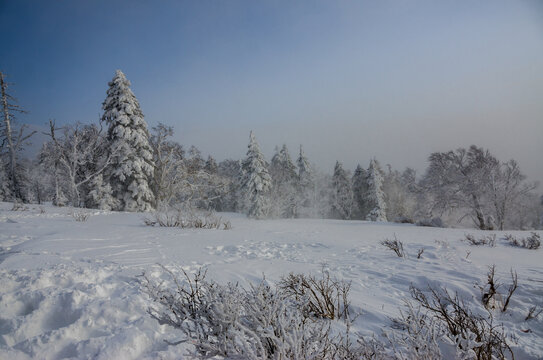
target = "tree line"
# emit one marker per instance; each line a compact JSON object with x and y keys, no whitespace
{"x":119,"y":164}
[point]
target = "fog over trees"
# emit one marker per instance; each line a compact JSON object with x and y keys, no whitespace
{"x":119,"y":164}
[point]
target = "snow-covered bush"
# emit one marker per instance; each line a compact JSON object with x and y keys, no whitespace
{"x":322,"y":297}
{"x":489,"y":240}
{"x":403,"y":220}
{"x":80,"y":216}
{"x":431,"y":222}
{"x":476,"y":336}
{"x":419,"y":337}
{"x":18,"y":206}
{"x":232,"y":322}
{"x":532,"y":242}
{"x":290,"y":322}
{"x":186,"y":218}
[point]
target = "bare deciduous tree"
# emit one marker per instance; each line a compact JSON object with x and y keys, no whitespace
{"x":12,"y":141}
{"x":475,"y":182}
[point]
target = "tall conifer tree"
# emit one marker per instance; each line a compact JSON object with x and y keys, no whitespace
{"x":132,"y":165}
{"x":375,"y":196}
{"x":256,"y":181}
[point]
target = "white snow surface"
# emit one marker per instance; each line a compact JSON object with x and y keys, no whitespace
{"x":70,"y":289}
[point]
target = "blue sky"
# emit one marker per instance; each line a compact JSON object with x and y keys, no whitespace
{"x":349,"y":80}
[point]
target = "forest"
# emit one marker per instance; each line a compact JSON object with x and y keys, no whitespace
{"x":120,"y":164}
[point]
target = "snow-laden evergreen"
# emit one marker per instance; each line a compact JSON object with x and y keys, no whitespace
{"x":306,"y":181}
{"x":101,"y":195}
{"x":342,"y":195}
{"x":360,"y":188}
{"x":375,"y":195}
{"x":256,"y":182}
{"x":131,"y":167}
{"x":284,"y":178}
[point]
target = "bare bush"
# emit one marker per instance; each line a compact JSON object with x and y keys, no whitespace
{"x":433,"y":222}
{"x":510,"y":290}
{"x":532,"y":242}
{"x":489,"y":240}
{"x":323,"y":297}
{"x":18,"y":206}
{"x":80,"y":216}
{"x":293,"y":321}
{"x":473,"y":334}
{"x":419,"y":337}
{"x":229,"y":321}
{"x":419,"y":253}
{"x":186,"y":218}
{"x":491,"y":299}
{"x":533,"y":313}
{"x":394,"y":245}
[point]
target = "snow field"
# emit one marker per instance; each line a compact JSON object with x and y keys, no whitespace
{"x":70,"y":289}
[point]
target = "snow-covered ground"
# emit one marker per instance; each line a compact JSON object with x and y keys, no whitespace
{"x":70,"y":289}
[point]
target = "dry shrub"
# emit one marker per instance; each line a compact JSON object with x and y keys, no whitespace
{"x":293,"y":321}
{"x":228,"y":321}
{"x":323,"y":297}
{"x":186,"y":218}
{"x":18,"y":206}
{"x":489,"y":240}
{"x":394,"y":245}
{"x":533,"y":313}
{"x":532,"y":242}
{"x":433,"y":222}
{"x":419,"y":253}
{"x":473,"y":333}
{"x":80,"y":216}
{"x":490,"y":298}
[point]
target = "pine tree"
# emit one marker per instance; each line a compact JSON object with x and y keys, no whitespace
{"x":211,"y":165}
{"x":360,"y":188}
{"x":375,"y":196}
{"x":231,"y":171}
{"x":306,"y":181}
{"x":256,"y":181}
{"x":101,"y":196}
{"x":132,"y":163}
{"x":284,"y":179}
{"x":342,"y":196}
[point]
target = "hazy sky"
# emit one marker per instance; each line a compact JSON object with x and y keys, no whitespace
{"x":349,"y":80}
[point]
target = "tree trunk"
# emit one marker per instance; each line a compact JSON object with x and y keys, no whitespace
{"x":12,"y":166}
{"x":479,"y":214}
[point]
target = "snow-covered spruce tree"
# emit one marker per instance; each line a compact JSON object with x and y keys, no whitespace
{"x":284,"y":177}
{"x":131,"y":169}
{"x":230,"y":170}
{"x":342,"y":194}
{"x":101,"y":195}
{"x":256,"y":182}
{"x":306,"y":184}
{"x":360,"y":188}
{"x":211,"y":165}
{"x":375,"y":196}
